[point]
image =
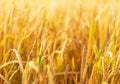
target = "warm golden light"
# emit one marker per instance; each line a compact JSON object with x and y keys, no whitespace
{"x":59,"y":41}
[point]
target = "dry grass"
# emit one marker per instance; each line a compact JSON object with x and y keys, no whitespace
{"x":59,"y":42}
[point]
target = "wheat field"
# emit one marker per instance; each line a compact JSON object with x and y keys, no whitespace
{"x":59,"y":41}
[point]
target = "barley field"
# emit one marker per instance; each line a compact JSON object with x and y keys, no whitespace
{"x":59,"y":41}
